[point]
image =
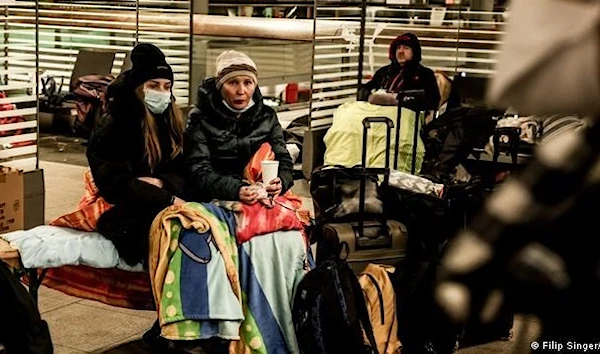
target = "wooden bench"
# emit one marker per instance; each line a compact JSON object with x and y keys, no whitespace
{"x":11,"y":257}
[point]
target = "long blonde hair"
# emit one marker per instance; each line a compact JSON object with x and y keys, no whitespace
{"x":152,"y":151}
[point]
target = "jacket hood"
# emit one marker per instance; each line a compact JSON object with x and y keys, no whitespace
{"x":409,"y":40}
{"x":122,"y":100}
{"x":119,"y":85}
{"x":210,"y":100}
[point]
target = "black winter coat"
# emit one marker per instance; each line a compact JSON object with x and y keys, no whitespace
{"x":219,"y":143}
{"x":414,"y":77}
{"x":116,"y":157}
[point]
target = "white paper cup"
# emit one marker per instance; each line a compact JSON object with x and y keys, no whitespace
{"x":270,"y":170}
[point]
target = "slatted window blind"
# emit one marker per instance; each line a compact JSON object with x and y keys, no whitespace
{"x":455,"y":40}
{"x":68,"y":26}
{"x":44,"y":37}
{"x":336,"y":58}
{"x":279,"y":62}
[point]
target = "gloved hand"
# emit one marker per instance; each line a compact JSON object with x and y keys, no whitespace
{"x":383,"y":99}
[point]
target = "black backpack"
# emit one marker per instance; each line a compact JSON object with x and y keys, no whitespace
{"x":22,"y":331}
{"x":89,"y":93}
{"x":329,"y":310}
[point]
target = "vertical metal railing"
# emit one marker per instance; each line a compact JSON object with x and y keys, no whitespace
{"x":336,"y":57}
{"x":174,"y":39}
{"x":455,"y":40}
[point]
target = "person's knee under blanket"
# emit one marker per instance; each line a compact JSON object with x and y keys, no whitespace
{"x":128,"y":229}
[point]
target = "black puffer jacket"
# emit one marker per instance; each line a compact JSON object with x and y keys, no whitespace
{"x":116,"y":154}
{"x":415,"y":77}
{"x":116,"y":157}
{"x":219,"y":143}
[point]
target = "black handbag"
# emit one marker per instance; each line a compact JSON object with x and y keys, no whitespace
{"x":343,"y":194}
{"x":335,"y":191}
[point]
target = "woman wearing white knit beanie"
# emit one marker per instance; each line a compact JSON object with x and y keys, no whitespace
{"x":231,"y":64}
{"x":226,"y":128}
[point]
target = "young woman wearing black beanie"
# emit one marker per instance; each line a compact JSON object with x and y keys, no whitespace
{"x":135,"y":153}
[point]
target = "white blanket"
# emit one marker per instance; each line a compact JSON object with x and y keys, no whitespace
{"x":53,"y":246}
{"x":416,"y":184}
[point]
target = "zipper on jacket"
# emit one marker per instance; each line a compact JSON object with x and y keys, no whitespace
{"x":236,"y":125}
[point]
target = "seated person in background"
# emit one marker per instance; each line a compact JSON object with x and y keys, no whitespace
{"x":449,"y":98}
{"x":226,"y":128}
{"x":404,"y":73}
{"x":135,"y":152}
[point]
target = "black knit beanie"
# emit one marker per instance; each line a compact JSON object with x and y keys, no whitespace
{"x":148,"y":63}
{"x":409,"y":40}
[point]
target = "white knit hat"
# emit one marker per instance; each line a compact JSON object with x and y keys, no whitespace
{"x":232,"y":63}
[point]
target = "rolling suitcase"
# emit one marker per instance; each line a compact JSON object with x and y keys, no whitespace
{"x":363,"y":250}
{"x":369,"y":237}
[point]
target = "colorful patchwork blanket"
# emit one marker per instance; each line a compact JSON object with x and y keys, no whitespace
{"x":89,"y":209}
{"x":126,"y":289}
{"x":206,"y":285}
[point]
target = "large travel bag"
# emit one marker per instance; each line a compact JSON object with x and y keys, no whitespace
{"x":374,"y":248}
{"x":348,"y":205}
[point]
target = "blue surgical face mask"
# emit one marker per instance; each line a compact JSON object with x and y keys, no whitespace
{"x":156,"y":101}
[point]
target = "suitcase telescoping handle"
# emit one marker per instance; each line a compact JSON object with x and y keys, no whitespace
{"x":363,"y":182}
{"x":366,"y":126}
{"x":415,"y":101}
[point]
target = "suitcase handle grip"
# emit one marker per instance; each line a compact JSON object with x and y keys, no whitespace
{"x":367,"y":121}
{"x":407,"y":95}
{"x":514,"y":136}
{"x":363,"y":183}
{"x":367,"y":125}
{"x":363,"y":243}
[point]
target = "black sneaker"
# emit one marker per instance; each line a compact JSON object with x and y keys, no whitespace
{"x":205,"y":346}
{"x":162,"y":345}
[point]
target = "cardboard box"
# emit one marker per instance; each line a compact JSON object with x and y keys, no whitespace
{"x":34,"y":198}
{"x":11,"y":200}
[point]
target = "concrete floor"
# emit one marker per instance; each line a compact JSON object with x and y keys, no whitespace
{"x":70,"y":318}
{"x":64,"y":149}
{"x":83,"y":326}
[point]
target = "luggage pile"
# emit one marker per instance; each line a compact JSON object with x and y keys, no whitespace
{"x":364,"y":223}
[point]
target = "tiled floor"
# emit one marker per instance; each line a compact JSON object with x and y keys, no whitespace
{"x":70,"y":318}
{"x":83,"y":326}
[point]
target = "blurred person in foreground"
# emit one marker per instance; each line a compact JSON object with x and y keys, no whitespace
{"x":535,"y":245}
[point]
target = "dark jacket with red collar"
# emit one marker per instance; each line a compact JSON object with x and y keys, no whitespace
{"x":411,"y":76}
